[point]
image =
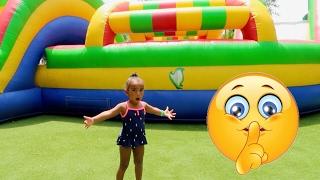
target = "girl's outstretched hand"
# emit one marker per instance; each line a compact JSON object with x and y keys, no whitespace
{"x":169,"y":113}
{"x":88,"y":121}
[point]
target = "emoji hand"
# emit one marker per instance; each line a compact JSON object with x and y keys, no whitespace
{"x":252,"y":154}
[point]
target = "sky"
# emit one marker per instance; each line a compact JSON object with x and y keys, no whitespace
{"x":291,"y":10}
{"x":288,"y":24}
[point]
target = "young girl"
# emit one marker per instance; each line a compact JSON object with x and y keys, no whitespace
{"x":132,"y":136}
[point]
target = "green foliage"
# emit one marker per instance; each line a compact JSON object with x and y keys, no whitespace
{"x":272,"y":6}
{"x":228,"y":34}
{"x":305,"y":17}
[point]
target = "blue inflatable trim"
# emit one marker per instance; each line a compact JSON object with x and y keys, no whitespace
{"x":20,"y":103}
{"x":189,"y":105}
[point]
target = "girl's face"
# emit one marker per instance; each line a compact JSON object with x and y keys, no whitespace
{"x":135,"y":91}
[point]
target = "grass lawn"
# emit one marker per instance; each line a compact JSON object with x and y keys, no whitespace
{"x":58,"y":147}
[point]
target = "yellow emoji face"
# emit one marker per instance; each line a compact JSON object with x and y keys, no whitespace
{"x":253,"y":114}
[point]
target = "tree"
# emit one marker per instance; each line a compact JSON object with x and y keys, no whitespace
{"x":272,"y":6}
{"x":305,"y":17}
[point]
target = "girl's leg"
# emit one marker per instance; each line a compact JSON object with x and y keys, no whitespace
{"x":138,"y":153}
{"x":125,"y":153}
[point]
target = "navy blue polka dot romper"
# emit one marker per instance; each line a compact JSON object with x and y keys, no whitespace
{"x":133,"y":131}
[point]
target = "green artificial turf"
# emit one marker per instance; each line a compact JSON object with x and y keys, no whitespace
{"x":57,"y":147}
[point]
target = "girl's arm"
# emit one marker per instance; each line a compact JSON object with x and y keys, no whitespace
{"x":156,"y":111}
{"x":103,"y":116}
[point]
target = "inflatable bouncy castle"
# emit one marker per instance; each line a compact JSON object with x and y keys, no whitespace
{"x":177,"y":47}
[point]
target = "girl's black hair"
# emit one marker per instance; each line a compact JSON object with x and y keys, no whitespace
{"x":134,"y":75}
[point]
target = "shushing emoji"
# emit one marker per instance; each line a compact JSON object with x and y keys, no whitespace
{"x":252,"y":119}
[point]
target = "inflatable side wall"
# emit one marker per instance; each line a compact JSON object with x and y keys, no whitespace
{"x":27,"y":27}
{"x":175,"y":46}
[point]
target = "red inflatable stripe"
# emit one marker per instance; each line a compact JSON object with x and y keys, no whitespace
{"x":164,"y":21}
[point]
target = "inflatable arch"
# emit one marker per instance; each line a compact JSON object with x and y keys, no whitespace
{"x":175,"y":46}
{"x":27,"y":27}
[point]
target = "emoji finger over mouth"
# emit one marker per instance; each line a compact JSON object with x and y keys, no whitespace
{"x":252,"y":103}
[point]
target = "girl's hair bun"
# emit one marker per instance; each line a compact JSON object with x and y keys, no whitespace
{"x":134,"y":75}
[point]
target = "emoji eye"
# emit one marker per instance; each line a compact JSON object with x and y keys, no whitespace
{"x":269,"y":105}
{"x":237,"y":106}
